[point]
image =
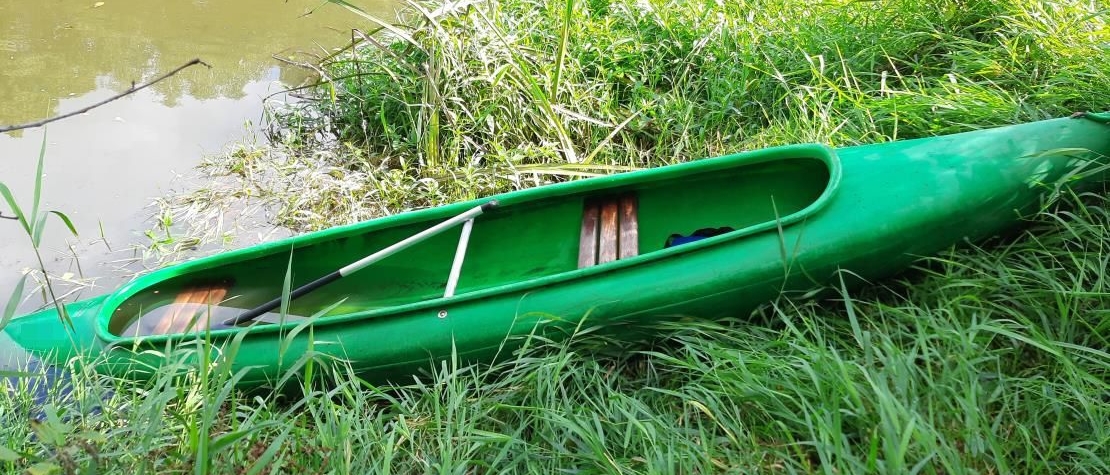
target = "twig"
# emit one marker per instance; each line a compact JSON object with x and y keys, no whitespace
{"x":385,"y":49}
{"x":323,"y":74}
{"x":132,"y":90}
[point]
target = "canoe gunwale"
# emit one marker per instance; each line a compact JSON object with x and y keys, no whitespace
{"x":810,"y":151}
{"x":925,"y":195}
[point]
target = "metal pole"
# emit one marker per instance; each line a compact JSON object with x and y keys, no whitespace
{"x":460,"y":254}
{"x":362,"y":263}
{"x":414,"y":239}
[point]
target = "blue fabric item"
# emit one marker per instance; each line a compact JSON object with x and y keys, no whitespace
{"x":678,"y":239}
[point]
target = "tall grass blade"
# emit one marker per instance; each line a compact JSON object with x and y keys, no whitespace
{"x":13,"y":302}
{"x":7,"y":194}
{"x":561,"y":54}
{"x":38,"y":180}
{"x":377,"y":21}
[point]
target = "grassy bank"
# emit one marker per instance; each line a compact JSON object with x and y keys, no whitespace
{"x":984,"y":360}
{"x":490,"y":96}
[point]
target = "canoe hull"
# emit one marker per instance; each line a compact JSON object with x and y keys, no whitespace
{"x":888,"y":205}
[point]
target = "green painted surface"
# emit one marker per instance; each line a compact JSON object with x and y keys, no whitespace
{"x":869,"y":209}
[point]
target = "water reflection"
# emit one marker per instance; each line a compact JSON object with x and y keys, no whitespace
{"x":53,"y":50}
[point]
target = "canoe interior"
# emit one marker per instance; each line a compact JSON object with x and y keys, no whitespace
{"x":515,"y":243}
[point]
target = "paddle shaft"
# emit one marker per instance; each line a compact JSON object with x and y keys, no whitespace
{"x":362,"y":263}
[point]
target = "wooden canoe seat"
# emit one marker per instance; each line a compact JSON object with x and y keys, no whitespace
{"x":610,"y":230}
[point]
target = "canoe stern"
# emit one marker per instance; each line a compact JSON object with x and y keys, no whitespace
{"x":50,"y":338}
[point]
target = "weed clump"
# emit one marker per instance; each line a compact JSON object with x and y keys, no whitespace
{"x":521,"y":88}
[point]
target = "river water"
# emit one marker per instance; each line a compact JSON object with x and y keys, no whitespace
{"x":104,"y":168}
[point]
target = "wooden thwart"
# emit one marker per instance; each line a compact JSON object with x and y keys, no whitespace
{"x":190,"y":309}
{"x":609,"y":230}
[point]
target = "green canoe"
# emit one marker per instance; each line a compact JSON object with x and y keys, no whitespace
{"x":710,"y":238}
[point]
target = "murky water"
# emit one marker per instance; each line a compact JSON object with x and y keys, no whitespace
{"x":103,"y":168}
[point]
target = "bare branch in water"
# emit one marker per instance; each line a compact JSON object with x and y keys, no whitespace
{"x":132,"y":90}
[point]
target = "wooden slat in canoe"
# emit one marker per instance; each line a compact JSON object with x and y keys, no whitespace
{"x":587,"y":244}
{"x":610,"y":230}
{"x":629,"y":227}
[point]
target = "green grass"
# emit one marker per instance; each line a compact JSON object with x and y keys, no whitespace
{"x":499,"y":95}
{"x":982,"y":360}
{"x":993,"y":359}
